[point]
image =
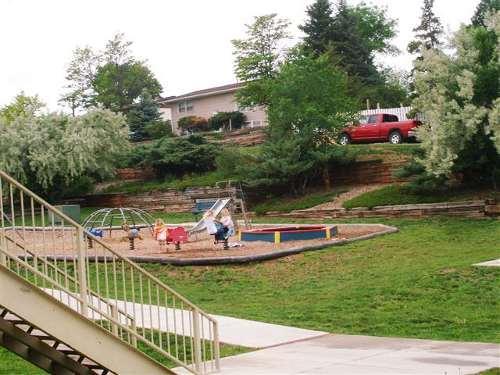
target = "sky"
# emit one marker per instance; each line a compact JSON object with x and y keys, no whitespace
{"x":187,"y":43}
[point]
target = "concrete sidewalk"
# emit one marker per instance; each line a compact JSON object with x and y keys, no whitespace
{"x":491,"y":263}
{"x":363,"y":355}
{"x":290,"y":351}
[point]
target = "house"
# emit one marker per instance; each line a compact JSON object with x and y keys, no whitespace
{"x":205,"y":103}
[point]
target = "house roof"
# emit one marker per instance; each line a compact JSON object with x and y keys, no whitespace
{"x":203,"y":93}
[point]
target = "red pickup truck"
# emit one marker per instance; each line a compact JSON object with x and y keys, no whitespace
{"x":381,"y":127}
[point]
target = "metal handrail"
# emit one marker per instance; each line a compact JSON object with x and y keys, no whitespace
{"x":196,"y":339}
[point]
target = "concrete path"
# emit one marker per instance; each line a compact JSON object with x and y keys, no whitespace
{"x":241,"y":332}
{"x":491,"y":263}
{"x":290,"y":351}
{"x":353,"y":192}
{"x":353,"y":355}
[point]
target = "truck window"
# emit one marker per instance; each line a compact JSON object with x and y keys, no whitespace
{"x":372,"y":119}
{"x":391,"y":118}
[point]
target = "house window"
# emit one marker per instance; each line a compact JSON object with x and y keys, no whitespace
{"x":185,"y":106}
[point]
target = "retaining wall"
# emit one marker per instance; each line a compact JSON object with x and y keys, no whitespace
{"x":372,"y":171}
{"x":473,"y":209}
{"x":170,"y":200}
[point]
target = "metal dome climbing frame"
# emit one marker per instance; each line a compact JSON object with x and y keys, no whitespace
{"x":114,"y":218}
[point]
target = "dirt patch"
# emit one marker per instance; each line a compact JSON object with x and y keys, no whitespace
{"x":62,"y":242}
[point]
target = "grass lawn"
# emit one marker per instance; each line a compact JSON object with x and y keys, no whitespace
{"x":397,"y":194}
{"x":11,"y":364}
{"x":417,"y":283}
{"x":287,"y":204}
{"x":383,"y":149}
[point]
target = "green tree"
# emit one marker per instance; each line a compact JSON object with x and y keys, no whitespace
{"x":145,"y":118}
{"x":483,"y":9}
{"x":350,"y":50}
{"x":51,"y":152}
{"x":112,"y":78}
{"x":376,"y":29}
{"x":118,"y":86}
{"x":318,"y":27}
{"x":429,"y":31}
{"x":393,"y":90}
{"x":458,"y":95}
{"x":372,"y":25}
{"x":258,"y":57}
{"x":308,"y":106}
{"x":22,"y":106}
{"x":79,"y":92}
{"x":193,"y":124}
{"x":227,"y":120}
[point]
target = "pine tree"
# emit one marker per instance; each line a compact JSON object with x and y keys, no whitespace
{"x":428,"y":32}
{"x":349,"y":47}
{"x":144,"y":115}
{"x":482,"y":10}
{"x":318,"y":27}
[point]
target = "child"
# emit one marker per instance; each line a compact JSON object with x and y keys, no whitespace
{"x":227,"y":221}
{"x":160,"y":232}
{"x":209,"y":221}
{"x":214,"y":227}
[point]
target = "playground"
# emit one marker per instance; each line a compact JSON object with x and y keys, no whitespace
{"x":199,"y":245}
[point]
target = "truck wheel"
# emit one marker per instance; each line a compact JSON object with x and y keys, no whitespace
{"x":395,"y":138}
{"x":344,"y":139}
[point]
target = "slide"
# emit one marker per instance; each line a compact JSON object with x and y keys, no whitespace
{"x":216,"y":209}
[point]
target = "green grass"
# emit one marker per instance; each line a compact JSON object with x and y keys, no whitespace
{"x":383,"y":148}
{"x":397,"y":194}
{"x":11,"y":364}
{"x":493,"y":371}
{"x":288,"y":204}
{"x":417,"y":283}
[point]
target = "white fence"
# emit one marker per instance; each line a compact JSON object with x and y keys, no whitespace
{"x":401,"y":112}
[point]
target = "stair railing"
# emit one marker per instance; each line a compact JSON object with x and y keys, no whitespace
{"x":53,"y":253}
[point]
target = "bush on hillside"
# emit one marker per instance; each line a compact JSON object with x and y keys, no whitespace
{"x":159,"y":130}
{"x":227,"y":120}
{"x":235,"y":164}
{"x":193,"y":124}
{"x":180,"y":156}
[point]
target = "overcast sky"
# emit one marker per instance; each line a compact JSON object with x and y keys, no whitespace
{"x":186,"y":43}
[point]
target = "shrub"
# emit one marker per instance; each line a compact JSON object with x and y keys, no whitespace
{"x":135,"y":157}
{"x":225,"y":120}
{"x":234,"y":163}
{"x":193,"y":124}
{"x":180,"y":156}
{"x":159,"y":130}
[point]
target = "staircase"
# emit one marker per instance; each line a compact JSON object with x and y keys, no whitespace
{"x":73,"y":309}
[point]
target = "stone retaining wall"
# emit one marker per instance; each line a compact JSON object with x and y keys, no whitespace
{"x":473,"y":209}
{"x":170,"y":200}
{"x":245,"y":137}
{"x":135,"y":174}
{"x":372,"y":171}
